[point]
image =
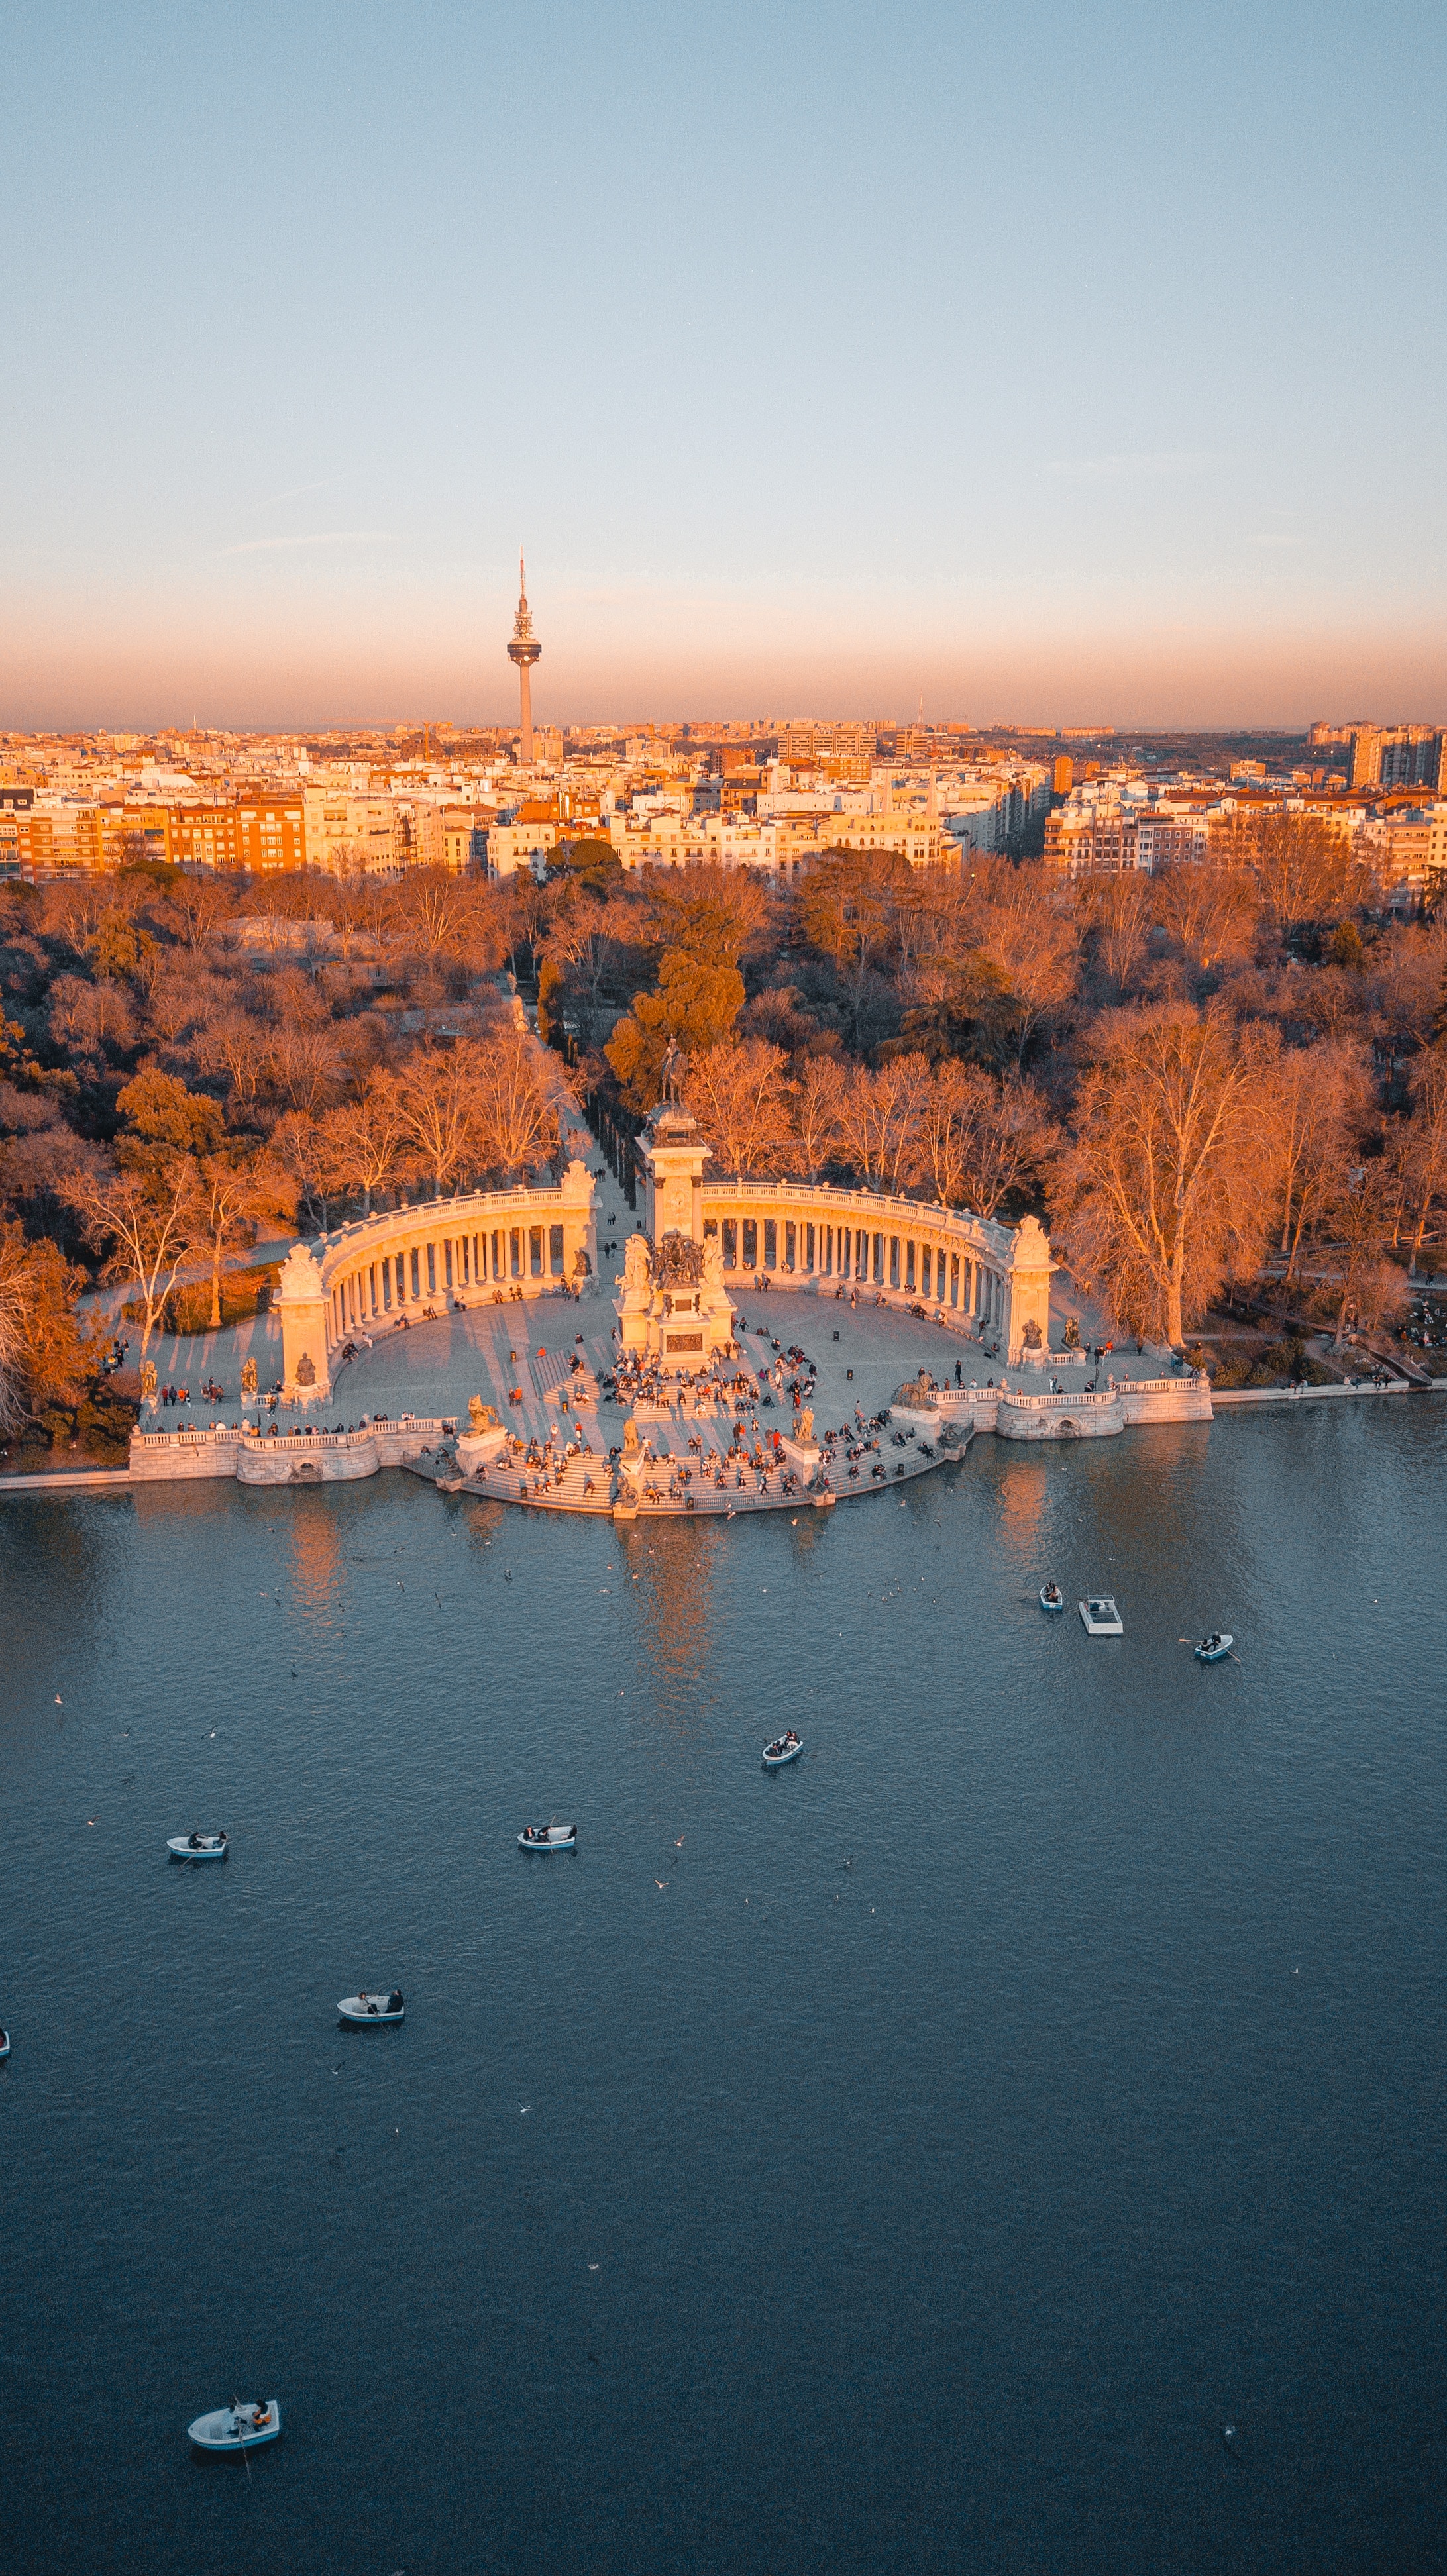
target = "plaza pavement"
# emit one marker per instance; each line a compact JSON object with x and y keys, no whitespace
{"x":431,"y":1369}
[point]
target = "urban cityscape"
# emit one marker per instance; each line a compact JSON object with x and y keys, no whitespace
{"x":723,"y":1293}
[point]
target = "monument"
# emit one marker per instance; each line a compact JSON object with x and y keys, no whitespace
{"x":674,"y":1308}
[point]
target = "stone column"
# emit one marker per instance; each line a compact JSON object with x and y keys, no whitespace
{"x":1026,"y":1287}
{"x":301,"y":1303}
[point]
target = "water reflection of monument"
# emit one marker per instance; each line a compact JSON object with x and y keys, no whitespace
{"x":674,"y":1309}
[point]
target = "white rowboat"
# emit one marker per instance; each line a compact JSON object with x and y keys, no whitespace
{"x":198,"y":1846}
{"x":1213,"y":1650}
{"x":237,"y":2428}
{"x":4,"y":2043}
{"x":1101,"y":1618}
{"x":785,"y":1748}
{"x":365,"y":2008}
{"x":548,"y":1838}
{"x":1051,"y":1597}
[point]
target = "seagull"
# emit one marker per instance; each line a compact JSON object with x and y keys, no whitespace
{"x":59,"y":1702}
{"x":1228,"y":2432}
{"x":293,"y":1672}
{"x":662,"y":1883}
{"x":507,"y":1574}
{"x":592,"y":2267}
{"x":401,"y":1586}
{"x":90,"y":1820}
{"x":524,"y":2107}
{"x":211,"y":1738}
{"x":678,"y":1846}
{"x":437,"y":1597}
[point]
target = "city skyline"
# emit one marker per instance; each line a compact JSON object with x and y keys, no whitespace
{"x":1037,"y":368}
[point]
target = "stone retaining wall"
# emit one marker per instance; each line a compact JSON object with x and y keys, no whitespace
{"x":290,"y":1458}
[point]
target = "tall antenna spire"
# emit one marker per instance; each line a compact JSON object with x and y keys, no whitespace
{"x":524,"y":650}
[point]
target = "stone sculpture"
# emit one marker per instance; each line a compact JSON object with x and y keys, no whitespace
{"x":670,"y":1076}
{"x":635,"y":1261}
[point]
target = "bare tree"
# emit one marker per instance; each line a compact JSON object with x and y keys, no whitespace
{"x":1162,"y":1192}
{"x":439,"y":1112}
{"x":980,"y":1138}
{"x":1016,"y":922}
{"x":1210,"y":910}
{"x":362,"y":1139}
{"x":739,"y":1095}
{"x":879,"y":1118}
{"x":1118,"y":909}
{"x":43,"y":1357}
{"x":149,"y":1219}
{"x":818,"y":1096}
{"x":223,"y":1215}
{"x":1318,"y":1097}
{"x":519,"y":1091}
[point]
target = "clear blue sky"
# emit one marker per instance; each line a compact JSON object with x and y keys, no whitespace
{"x":1046,"y":361}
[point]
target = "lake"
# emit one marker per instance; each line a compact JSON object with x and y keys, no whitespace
{"x":911,"y":2159}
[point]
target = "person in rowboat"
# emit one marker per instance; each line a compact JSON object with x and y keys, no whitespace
{"x":394,"y":2000}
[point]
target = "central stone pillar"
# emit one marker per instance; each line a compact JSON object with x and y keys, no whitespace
{"x":301,"y":1303}
{"x":674,"y":1308}
{"x":673,"y":1155}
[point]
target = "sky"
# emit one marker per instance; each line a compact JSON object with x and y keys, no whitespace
{"x":1038,"y":363}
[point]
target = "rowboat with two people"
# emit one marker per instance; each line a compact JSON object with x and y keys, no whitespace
{"x":236,"y":2427}
{"x":197,"y":1846}
{"x":365,"y":2008}
{"x":785,"y":1748}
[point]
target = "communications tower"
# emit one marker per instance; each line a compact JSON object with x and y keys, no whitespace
{"x":524,"y":650}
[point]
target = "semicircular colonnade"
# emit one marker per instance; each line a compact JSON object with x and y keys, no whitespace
{"x":988,"y":1279}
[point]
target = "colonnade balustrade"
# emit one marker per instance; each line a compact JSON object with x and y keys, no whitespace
{"x":393,"y":1267}
{"x":992,"y":1278}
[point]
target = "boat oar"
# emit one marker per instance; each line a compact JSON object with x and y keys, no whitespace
{"x":241,"y":2437}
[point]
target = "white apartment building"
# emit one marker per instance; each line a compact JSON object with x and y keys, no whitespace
{"x":353,"y":835}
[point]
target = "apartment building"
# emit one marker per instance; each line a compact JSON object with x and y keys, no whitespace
{"x":451,"y":836}
{"x":352,"y":835}
{"x":524,"y":839}
{"x":256,"y":833}
{"x":1397,"y":756}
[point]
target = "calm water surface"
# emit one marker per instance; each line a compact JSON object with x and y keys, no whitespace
{"x":1041,"y":2075}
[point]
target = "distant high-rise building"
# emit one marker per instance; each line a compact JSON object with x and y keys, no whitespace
{"x":1064,"y":778}
{"x":524,"y":650}
{"x":1397,"y":756}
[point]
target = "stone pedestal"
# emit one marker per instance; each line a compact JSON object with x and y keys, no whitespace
{"x":674,"y":1307}
{"x":1027,"y":1295}
{"x":301,"y":1305}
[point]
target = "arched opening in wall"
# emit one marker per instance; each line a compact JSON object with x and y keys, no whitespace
{"x":1066,"y":1429}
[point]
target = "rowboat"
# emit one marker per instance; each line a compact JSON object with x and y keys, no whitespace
{"x":237,"y":2428}
{"x":365,"y":2008}
{"x":197,"y":1846}
{"x":1213,"y":1650}
{"x":4,"y":2043}
{"x":785,"y":1748}
{"x":1051,"y":1597}
{"x":548,"y":1838}
{"x":1101,"y":1618}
